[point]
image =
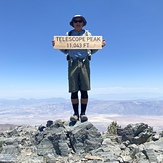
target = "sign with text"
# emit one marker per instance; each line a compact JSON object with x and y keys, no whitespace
{"x":78,"y":42}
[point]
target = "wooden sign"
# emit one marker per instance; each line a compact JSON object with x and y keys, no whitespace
{"x":78,"y":42}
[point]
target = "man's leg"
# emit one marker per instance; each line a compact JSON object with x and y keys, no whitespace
{"x":84,"y":101}
{"x":75,"y":105}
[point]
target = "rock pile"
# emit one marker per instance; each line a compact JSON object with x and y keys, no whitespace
{"x":64,"y":142}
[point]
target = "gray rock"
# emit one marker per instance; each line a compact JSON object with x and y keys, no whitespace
{"x":156,"y":137}
{"x":150,"y":155}
{"x":84,"y":137}
{"x":8,"y":158}
{"x":49,"y":123}
{"x":137,"y":133}
{"x":65,"y":142}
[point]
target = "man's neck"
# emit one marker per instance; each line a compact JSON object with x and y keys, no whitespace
{"x":78,"y":30}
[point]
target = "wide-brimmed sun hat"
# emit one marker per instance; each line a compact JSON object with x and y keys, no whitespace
{"x":78,"y":16}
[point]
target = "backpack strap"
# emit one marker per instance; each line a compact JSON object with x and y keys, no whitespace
{"x":69,"y":33}
{"x":89,"y":51}
{"x":86,"y":33}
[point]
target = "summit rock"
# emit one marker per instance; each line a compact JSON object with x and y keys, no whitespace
{"x":64,"y":142}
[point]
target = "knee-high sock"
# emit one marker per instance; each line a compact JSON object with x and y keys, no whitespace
{"x":75,"y":108}
{"x":75,"y":102}
{"x":83,"y":105}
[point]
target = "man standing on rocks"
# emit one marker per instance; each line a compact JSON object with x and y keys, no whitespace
{"x":79,"y":69}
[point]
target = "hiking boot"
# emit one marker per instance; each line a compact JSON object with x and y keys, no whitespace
{"x":83,"y":118}
{"x":74,"y":118}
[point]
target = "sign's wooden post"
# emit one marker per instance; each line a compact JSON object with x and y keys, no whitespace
{"x":78,"y":42}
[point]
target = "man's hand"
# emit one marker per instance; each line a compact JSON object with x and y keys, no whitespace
{"x":103,"y":43}
{"x":53,"y":42}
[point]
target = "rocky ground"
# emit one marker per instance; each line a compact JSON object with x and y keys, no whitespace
{"x":64,"y":142}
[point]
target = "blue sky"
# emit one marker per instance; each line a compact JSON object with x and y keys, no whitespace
{"x":130,"y":64}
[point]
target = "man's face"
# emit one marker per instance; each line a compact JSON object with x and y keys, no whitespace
{"x":78,"y":23}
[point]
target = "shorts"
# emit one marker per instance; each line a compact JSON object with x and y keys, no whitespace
{"x":79,"y":75}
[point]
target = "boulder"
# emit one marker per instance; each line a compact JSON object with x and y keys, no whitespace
{"x":137,"y":133}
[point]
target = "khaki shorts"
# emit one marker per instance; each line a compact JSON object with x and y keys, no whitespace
{"x":79,"y":75}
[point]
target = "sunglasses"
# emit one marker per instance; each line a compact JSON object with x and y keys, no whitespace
{"x":80,"y":21}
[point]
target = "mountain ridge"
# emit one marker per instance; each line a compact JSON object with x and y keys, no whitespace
{"x":121,"y":107}
{"x":100,"y":112}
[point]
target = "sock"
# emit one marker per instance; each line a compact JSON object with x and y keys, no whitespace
{"x":76,"y":110}
{"x":83,"y":109}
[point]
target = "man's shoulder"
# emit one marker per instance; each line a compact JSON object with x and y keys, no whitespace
{"x":70,"y":32}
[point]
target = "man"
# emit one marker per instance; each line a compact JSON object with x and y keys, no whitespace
{"x":79,"y":69}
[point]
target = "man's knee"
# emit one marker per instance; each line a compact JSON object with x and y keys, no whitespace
{"x":74,"y":95}
{"x":84,"y":94}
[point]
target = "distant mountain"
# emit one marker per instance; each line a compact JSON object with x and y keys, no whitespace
{"x":61,"y":105}
{"x":33,"y":106}
{"x":30,"y":102}
{"x":127,"y":107}
{"x":4,"y":127}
